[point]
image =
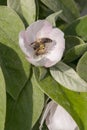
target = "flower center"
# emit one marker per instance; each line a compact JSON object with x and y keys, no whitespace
{"x":39,"y":46}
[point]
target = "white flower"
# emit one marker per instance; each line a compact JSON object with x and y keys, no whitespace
{"x":42,"y":44}
{"x":57,"y":118}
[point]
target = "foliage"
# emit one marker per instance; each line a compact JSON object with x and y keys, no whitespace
{"x":24,"y":88}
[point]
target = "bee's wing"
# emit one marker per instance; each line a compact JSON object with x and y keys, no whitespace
{"x":46,"y":40}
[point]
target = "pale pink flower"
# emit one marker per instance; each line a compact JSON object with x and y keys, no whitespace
{"x":57,"y":118}
{"x":42,"y":44}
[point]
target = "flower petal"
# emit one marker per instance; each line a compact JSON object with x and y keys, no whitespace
{"x":40,"y":61}
{"x":24,"y":45}
{"x":49,"y":63}
{"x":45,"y":30}
{"x":56,"y":53}
{"x":46,"y":111}
{"x":29,"y":35}
{"x":59,"y":119}
{"x":37,"y":28}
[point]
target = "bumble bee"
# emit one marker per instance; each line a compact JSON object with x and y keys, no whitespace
{"x":39,"y":45}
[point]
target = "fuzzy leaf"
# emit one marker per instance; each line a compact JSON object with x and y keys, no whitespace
{"x":75,"y":48}
{"x":25,"y":8}
{"x":82,"y":67}
{"x":78,"y":28}
{"x":15,"y":67}
{"x":53,"y":17}
{"x":70,"y":11}
{"x":67,"y":77}
{"x":23,"y":113}
{"x":2,"y":101}
{"x":72,"y":41}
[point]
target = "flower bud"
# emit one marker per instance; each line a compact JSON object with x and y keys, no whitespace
{"x":57,"y":118}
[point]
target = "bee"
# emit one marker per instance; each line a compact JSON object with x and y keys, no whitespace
{"x":39,"y":45}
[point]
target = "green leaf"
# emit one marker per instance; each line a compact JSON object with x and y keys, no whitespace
{"x":42,"y":72}
{"x":70,"y":11}
{"x":37,"y":125}
{"x":13,"y":70}
{"x":72,"y":41}
{"x":75,"y":47}
{"x":53,"y":17}
{"x":78,"y":101}
{"x":82,"y":67}
{"x":67,"y":77}
{"x":2,"y":101}
{"x":75,"y":52}
{"x":44,"y":11}
{"x":15,"y":67}
{"x":38,"y":101}
{"x":81,"y":4}
{"x":78,"y":28}
{"x":25,"y":8}
{"x":73,"y":102}
{"x":3,"y":2}
{"x":23,"y":113}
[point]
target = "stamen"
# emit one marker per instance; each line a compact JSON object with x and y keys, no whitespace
{"x":39,"y":45}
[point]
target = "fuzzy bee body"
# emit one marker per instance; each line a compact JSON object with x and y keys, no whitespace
{"x":39,"y":45}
